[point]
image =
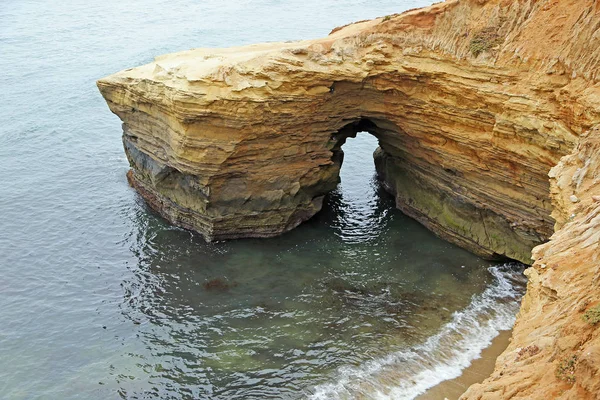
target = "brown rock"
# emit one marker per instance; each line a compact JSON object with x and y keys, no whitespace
{"x":475,"y":103}
{"x":246,"y":142}
{"x":557,"y":297}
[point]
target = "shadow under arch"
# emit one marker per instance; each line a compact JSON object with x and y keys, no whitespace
{"x":428,"y":187}
{"x":281,"y":299}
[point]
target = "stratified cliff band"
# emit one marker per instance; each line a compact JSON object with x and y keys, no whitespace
{"x":473,"y":102}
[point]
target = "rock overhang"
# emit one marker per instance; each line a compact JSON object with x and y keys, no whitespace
{"x":244,"y":142}
{"x":246,"y":134}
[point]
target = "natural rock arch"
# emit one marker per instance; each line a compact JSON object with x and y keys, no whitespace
{"x":262,"y":181}
{"x":474,"y":101}
{"x":238,"y":142}
{"x":262,"y":172}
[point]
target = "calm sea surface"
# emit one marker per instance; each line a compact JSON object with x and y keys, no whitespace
{"x":101,"y":299}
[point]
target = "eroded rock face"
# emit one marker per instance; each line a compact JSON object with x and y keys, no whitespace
{"x":473,"y":103}
{"x":555,"y":352}
{"x":244,"y":142}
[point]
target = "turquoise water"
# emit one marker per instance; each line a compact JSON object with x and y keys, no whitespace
{"x":101,"y":299}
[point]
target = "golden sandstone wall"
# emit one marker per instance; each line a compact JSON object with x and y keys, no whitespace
{"x":474,"y":103}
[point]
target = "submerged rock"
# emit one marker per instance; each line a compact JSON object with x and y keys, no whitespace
{"x":218,"y":285}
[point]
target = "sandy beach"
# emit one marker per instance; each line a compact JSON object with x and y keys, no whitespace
{"x":479,"y":369}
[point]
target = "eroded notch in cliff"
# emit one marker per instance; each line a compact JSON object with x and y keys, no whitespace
{"x":430,"y":184}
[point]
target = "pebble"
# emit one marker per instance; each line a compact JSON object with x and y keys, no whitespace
{"x":574,"y":199}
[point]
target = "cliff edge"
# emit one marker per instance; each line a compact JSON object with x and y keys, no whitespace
{"x":475,"y":105}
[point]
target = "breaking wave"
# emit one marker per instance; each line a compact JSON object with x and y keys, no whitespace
{"x":406,"y":374}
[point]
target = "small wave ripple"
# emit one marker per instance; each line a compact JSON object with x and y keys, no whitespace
{"x":407,"y":373}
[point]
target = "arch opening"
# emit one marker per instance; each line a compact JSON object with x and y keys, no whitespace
{"x":356,"y":199}
{"x":428,"y":190}
{"x":359,"y":205}
{"x":364,"y":126}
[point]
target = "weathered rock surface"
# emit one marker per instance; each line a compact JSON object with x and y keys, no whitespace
{"x":555,"y":353}
{"x":473,"y":103}
{"x":245,"y":142}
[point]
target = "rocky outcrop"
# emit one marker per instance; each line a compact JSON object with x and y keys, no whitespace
{"x":555,"y":350}
{"x":470,"y":117}
{"x":473,"y":102}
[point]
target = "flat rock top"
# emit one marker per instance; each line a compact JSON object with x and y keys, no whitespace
{"x":210,"y":66}
{"x":548,"y":37}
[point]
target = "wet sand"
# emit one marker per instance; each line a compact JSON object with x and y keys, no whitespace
{"x":479,"y":370}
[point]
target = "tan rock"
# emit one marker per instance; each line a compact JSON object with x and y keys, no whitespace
{"x":245,"y":142}
{"x":475,"y":103}
{"x":557,"y":298}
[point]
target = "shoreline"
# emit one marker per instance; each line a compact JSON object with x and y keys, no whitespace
{"x":480,"y":369}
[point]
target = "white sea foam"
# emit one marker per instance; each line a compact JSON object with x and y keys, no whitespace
{"x":408,"y":373}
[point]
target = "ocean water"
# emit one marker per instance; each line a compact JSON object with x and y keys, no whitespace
{"x":102,"y":299}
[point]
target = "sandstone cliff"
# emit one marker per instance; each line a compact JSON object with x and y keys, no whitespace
{"x":469,"y":112}
{"x":473,"y":102}
{"x":555,"y":349}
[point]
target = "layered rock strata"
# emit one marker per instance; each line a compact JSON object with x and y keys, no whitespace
{"x":473,"y":102}
{"x":470,"y":117}
{"x":555,"y":349}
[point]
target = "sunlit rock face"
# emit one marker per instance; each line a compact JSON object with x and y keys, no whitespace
{"x":555,"y":350}
{"x":473,"y":102}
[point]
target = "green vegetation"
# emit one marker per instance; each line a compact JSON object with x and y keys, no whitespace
{"x":484,"y":40}
{"x":592,"y":316}
{"x":387,"y":18}
{"x":566,"y":369}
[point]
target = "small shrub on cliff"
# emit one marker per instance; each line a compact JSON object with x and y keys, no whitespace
{"x":387,"y":18}
{"x":592,"y":316}
{"x":566,"y":369}
{"x":484,"y":40}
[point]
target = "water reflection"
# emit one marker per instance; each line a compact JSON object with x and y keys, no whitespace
{"x":274,"y":318}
